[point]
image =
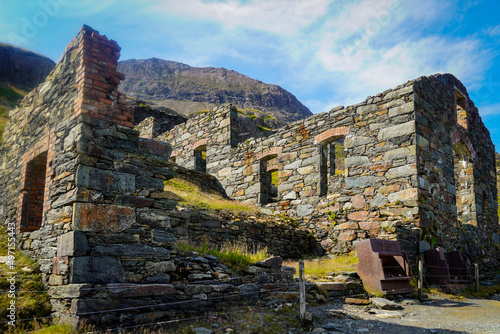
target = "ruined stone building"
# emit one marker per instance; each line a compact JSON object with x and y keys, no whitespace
{"x":414,"y":163}
{"x":85,"y":193}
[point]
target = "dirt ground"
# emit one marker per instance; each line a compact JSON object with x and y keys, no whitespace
{"x":435,"y":315}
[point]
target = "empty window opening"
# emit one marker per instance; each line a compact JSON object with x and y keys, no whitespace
{"x":485,"y":207}
{"x":461,"y":109}
{"x":268,"y":180}
{"x":331,"y":164}
{"x":33,"y":193}
{"x":200,"y":159}
{"x":464,"y":184}
{"x":274,"y":179}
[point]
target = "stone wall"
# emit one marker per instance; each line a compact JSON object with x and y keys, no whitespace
{"x":389,"y":149}
{"x":355,"y":201}
{"x":87,"y":198}
{"x":86,"y":193}
{"x":152,"y":122}
{"x":211,"y":132}
{"x":281,"y":237}
{"x":456,"y":171}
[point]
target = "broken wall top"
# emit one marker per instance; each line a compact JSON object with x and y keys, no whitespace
{"x":84,"y":80}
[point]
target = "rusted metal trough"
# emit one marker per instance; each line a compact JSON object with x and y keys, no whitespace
{"x":447,"y":269}
{"x":383,"y":268}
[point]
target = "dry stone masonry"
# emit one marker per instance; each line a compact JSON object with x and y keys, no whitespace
{"x":86,"y":192}
{"x":86,"y":195}
{"x":414,"y":163}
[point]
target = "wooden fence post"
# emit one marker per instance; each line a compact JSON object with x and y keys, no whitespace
{"x":302,"y":286}
{"x":476,"y":276}
{"x":420,"y":277}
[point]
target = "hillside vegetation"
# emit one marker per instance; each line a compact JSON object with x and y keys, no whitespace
{"x":9,"y":96}
{"x":20,"y":71}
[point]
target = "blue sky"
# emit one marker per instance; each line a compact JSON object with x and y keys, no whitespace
{"x":326,"y":52}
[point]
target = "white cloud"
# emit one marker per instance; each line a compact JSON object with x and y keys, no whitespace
{"x":362,"y":53}
{"x":493,"y":31}
{"x":278,"y":16}
{"x":489,"y":110}
{"x":349,"y":48}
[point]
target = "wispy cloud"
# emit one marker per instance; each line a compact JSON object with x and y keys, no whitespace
{"x":348,"y":49}
{"x":493,"y":31}
{"x":278,"y":16}
{"x":344,"y":49}
{"x":359,"y":50}
{"x":90,"y":7}
{"x":490,"y":110}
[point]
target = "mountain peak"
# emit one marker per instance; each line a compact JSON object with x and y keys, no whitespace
{"x":189,"y":89}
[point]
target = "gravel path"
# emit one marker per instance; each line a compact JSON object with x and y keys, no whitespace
{"x":477,"y":316}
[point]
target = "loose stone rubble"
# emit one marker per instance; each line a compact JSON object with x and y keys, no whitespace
{"x":86,"y":193}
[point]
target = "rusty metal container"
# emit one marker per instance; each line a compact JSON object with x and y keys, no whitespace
{"x":383,"y":268}
{"x":446,"y":269}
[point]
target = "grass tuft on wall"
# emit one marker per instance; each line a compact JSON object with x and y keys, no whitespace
{"x":235,"y":254}
{"x":196,"y":198}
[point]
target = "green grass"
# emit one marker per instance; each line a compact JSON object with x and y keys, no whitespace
{"x":254,"y":110}
{"x":56,"y":329}
{"x":236,"y":254}
{"x":274,"y":178}
{"x":3,"y":120}
{"x":484,"y":291}
{"x":194,"y":197}
{"x":28,"y":278}
{"x":263,"y":128}
{"x":10,"y":94}
{"x":268,"y":117}
{"x":206,"y":111}
{"x":498,"y":212}
{"x":319,"y":268}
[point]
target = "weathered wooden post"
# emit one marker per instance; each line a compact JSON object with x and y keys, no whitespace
{"x":302,"y":287}
{"x":476,"y":276}
{"x":420,"y":277}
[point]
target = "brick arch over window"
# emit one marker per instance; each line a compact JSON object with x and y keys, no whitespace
{"x":268,"y":164}
{"x":331,"y":157}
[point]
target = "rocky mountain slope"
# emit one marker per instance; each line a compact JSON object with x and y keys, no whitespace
{"x":20,"y":71}
{"x":189,"y":89}
{"x":23,"y":68}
